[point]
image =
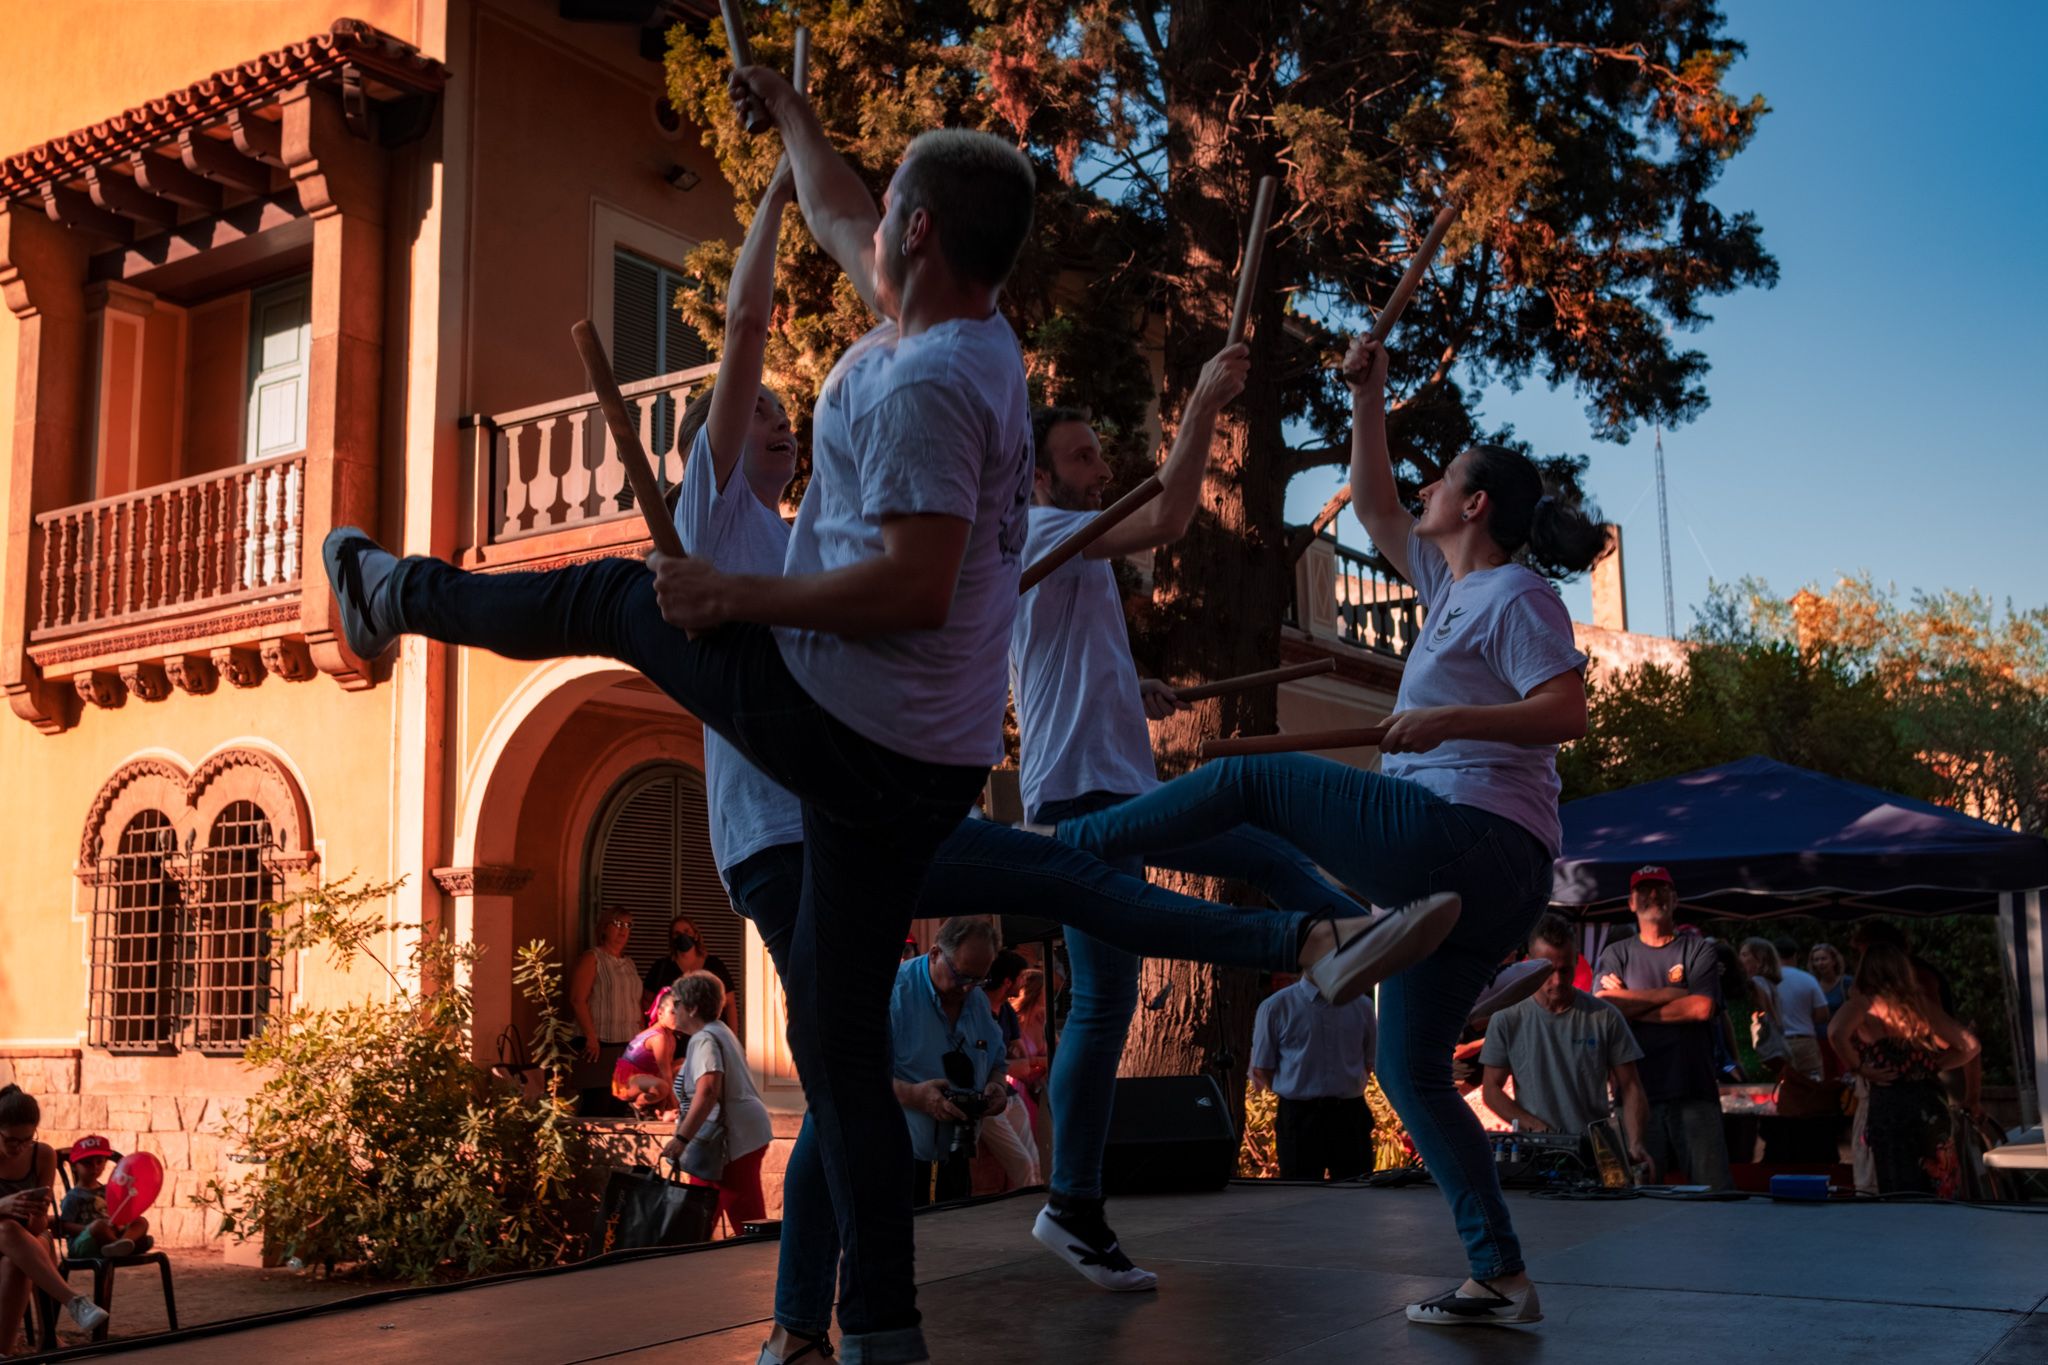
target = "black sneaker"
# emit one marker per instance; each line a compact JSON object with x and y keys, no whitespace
{"x":1511,"y":985}
{"x":359,"y":570}
{"x":1493,"y":1310}
{"x":1083,"y":1240}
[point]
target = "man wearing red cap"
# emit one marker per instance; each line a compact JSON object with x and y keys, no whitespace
{"x":1665,"y":984}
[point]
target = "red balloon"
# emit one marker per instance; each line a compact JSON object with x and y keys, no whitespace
{"x":136,"y":1182}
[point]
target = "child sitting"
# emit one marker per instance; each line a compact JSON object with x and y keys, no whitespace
{"x":83,"y":1216}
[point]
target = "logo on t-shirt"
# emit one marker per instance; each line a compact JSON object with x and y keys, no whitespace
{"x":1010,"y":536}
{"x":1443,"y":630}
{"x":1675,"y":974}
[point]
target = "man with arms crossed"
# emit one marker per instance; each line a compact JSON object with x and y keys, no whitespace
{"x":1564,"y":1048}
{"x":1664,"y":983}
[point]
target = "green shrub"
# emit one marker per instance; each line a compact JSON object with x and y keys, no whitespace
{"x":375,"y":1140}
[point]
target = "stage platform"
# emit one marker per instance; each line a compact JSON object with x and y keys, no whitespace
{"x":1272,"y":1273}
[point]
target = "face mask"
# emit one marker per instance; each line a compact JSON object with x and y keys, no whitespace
{"x":682,"y":943}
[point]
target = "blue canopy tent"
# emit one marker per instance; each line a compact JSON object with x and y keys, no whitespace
{"x":1755,"y":839}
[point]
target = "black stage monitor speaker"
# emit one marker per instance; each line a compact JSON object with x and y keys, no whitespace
{"x":1169,"y":1135}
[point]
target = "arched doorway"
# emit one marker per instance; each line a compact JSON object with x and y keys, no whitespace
{"x":650,"y":852}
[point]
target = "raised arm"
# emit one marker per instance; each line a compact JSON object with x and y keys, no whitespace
{"x":836,"y":204}
{"x":1165,"y":519}
{"x":1375,"y":498}
{"x":749,"y":309}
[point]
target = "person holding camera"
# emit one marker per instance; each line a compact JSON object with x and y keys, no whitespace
{"x":949,"y":1054}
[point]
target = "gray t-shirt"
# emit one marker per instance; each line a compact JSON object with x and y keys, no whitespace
{"x":748,"y":1126}
{"x":1490,"y":638}
{"x":1080,"y":719}
{"x":1678,"y":1059}
{"x":938,"y":423}
{"x":1560,"y":1062}
{"x":737,"y":533}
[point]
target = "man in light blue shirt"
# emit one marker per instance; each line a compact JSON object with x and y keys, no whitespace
{"x":945,"y":1039}
{"x":1316,"y":1057}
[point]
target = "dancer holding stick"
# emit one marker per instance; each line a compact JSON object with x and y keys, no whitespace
{"x":1088,"y":532}
{"x":1466,"y":804}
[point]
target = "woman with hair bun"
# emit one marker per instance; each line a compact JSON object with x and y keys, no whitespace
{"x":1461,"y":822}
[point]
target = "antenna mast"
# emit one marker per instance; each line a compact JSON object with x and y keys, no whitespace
{"x":1664,"y":538}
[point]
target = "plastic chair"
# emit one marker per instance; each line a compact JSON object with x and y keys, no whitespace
{"x":102,"y":1268}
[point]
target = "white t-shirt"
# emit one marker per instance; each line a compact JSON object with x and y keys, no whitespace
{"x":1080,"y":719}
{"x":935,"y":423}
{"x":1489,"y":639}
{"x":747,"y":1125}
{"x":1799,"y":995}
{"x":737,"y":533}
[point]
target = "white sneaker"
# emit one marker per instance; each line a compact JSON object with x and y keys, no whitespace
{"x":1090,"y":1247}
{"x":1390,"y":944}
{"x":1494,"y":1310}
{"x":89,"y":1316}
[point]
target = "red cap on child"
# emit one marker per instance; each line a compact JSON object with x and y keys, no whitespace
{"x":92,"y":1145}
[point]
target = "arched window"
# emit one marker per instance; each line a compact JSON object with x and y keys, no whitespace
{"x":134,"y":940}
{"x":230,"y":968}
{"x":650,"y":852}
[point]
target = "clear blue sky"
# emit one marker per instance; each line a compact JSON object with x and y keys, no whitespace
{"x":1882,"y":408}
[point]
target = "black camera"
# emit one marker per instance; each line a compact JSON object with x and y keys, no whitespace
{"x":957,"y":1138}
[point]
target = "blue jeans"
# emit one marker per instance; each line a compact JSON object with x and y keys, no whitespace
{"x":1082,"y":1087}
{"x":988,"y":869}
{"x":1393,"y":841}
{"x":872,"y":818}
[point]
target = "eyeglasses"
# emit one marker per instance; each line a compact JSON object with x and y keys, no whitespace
{"x":960,"y":978}
{"x":12,"y":1140}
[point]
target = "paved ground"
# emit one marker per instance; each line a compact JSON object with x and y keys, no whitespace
{"x":209,"y":1290}
{"x":1290,"y":1274}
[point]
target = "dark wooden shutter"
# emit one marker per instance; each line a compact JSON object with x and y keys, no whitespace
{"x":649,"y":337}
{"x":653,"y":857}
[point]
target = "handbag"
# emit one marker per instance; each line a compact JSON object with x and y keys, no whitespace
{"x":707,"y":1151}
{"x":644,"y":1208}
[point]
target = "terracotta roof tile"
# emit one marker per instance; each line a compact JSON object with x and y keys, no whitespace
{"x":350,"y":42}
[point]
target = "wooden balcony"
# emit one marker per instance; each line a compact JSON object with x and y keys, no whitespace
{"x":177,"y":584}
{"x":546,"y":485}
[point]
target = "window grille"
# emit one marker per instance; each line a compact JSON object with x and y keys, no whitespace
{"x":230,"y":967}
{"x":134,"y":944}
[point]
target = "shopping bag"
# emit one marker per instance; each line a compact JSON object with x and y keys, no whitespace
{"x":644,"y":1208}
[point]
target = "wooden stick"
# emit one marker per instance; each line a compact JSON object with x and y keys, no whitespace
{"x":1254,"y":252}
{"x":639,"y":473}
{"x":800,"y":62}
{"x":1295,"y":743}
{"x":757,"y":120}
{"x":1411,"y":278}
{"x":1090,"y":532}
{"x":1245,"y":682}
